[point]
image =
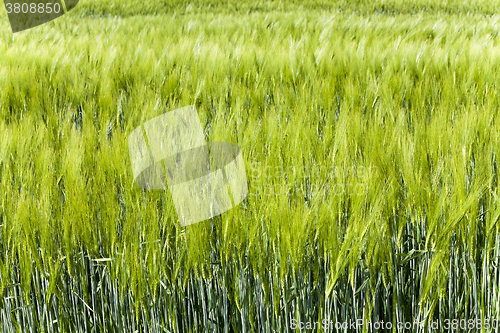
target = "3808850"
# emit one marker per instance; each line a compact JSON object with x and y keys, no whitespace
{"x":32,"y":8}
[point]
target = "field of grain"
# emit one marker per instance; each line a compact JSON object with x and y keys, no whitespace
{"x":370,"y":132}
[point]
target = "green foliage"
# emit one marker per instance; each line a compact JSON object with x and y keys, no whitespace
{"x":370,"y":134}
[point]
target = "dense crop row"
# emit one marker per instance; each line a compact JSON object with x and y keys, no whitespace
{"x":370,"y":140}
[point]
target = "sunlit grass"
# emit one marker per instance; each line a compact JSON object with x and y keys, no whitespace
{"x":370,"y":140}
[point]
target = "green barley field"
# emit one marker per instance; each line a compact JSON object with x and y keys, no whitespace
{"x":370,"y":132}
